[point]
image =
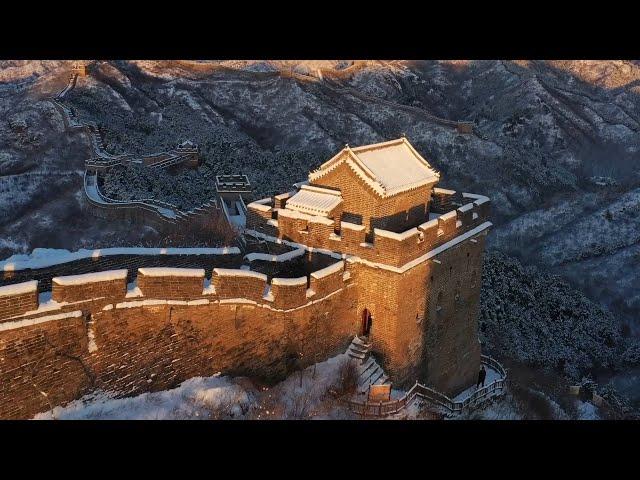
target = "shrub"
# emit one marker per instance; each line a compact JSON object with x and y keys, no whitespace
{"x":347,"y":378}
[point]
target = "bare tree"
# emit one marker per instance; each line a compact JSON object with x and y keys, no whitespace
{"x":347,"y":377}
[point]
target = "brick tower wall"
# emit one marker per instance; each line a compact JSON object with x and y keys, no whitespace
{"x":415,"y":339}
{"x":451,"y":349}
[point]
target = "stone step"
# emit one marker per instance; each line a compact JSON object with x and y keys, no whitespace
{"x":383,"y":380}
{"x":360,"y":356}
{"x":367,"y":365}
{"x":373,"y":373}
{"x":357,"y":340}
{"x":359,"y":349}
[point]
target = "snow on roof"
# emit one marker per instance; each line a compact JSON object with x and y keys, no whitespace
{"x":315,"y":200}
{"x":284,"y":196}
{"x":232,"y":272}
{"x":285,"y":212}
{"x":171,"y":272}
{"x":325,"y":272}
{"x":289,"y":282}
{"x":90,"y":277}
{"x":297,"y":185}
{"x":395,"y":164}
{"x":388,"y":168}
{"x":19,"y":288}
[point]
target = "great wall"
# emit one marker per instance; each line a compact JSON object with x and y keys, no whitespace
{"x":150,"y":211}
{"x":132,"y":331}
{"x":355,"y":252}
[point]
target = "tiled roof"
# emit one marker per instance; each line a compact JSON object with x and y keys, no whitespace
{"x":314,"y":200}
{"x":388,"y":168}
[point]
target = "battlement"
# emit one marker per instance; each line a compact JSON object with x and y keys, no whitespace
{"x":464,"y":212}
{"x":186,"y":284}
{"x":74,"y":288}
{"x":18,"y":299}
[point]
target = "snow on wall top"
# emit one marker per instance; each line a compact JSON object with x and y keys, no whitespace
{"x":430,"y":224}
{"x":35,"y":321}
{"x":46,"y":257}
{"x":19,"y":288}
{"x":289,"y":281}
{"x":444,"y":191}
{"x":325,"y":272}
{"x":388,"y":168}
{"x":90,"y":277}
{"x":479,"y":199}
{"x":396,"y":236}
{"x":259,"y":206}
{"x":232,"y":272}
{"x":172,"y":272}
{"x":448,"y":216}
{"x":315,"y":200}
{"x":283,"y":257}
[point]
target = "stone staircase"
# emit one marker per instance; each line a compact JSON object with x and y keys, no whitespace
{"x":369,"y":371}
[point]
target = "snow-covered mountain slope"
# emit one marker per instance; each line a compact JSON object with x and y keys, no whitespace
{"x":539,"y":320}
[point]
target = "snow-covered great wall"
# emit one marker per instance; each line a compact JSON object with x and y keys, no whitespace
{"x":102,"y":331}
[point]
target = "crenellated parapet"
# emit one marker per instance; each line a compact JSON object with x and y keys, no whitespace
{"x":236,"y":283}
{"x":171,"y":283}
{"x":111,"y":284}
{"x":168,"y":324}
{"x":22,"y":300}
{"x":288,"y":293}
{"x":18,"y":299}
{"x":459,"y":213}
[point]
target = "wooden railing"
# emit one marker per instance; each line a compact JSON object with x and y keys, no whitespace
{"x":381,"y":409}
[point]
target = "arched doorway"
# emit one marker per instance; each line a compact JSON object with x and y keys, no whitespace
{"x":367,"y":321}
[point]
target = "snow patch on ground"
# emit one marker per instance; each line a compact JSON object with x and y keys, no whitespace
{"x":219,"y":397}
{"x":193,"y":399}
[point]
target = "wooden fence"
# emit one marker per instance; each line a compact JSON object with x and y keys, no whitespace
{"x":438,"y":399}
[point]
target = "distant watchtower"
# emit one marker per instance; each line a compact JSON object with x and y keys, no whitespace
{"x":80,"y":68}
{"x":234,"y":192}
{"x":230,"y":187}
{"x":191,"y":152}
